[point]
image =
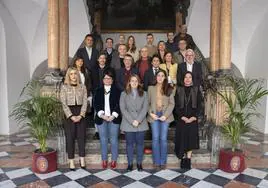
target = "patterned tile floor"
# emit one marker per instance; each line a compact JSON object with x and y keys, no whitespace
{"x":15,"y":162}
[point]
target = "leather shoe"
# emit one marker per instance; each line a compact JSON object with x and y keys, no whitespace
{"x":130,"y":167}
{"x":96,"y":136}
{"x":104,"y":164}
{"x":139,"y":167}
{"x":113,"y":164}
{"x":163,"y":167}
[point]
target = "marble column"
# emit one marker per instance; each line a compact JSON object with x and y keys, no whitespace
{"x":63,"y":35}
{"x":52,"y":79}
{"x":215,"y":36}
{"x":225,"y":35}
{"x":53,"y":35}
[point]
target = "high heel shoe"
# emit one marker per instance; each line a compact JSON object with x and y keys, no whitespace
{"x":82,"y":161}
{"x":104,"y":164}
{"x":188,"y":163}
{"x":113,"y":164}
{"x":83,"y":167}
{"x":183,"y":163}
{"x":72,"y":166}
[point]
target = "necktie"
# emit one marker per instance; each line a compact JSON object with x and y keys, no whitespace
{"x":155,"y":71}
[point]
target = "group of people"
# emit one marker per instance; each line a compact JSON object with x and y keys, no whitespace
{"x":130,"y":90}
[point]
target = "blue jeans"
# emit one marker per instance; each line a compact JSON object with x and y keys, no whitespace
{"x":159,"y":134}
{"x":138,"y":139}
{"x":108,"y":130}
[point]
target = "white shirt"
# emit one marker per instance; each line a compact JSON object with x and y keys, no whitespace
{"x":82,"y":77}
{"x":107,"y":110}
{"x":89,"y":52}
{"x":109,"y":50}
{"x":155,"y":70}
{"x":189,"y":67}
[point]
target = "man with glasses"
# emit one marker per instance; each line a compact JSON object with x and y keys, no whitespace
{"x":123,"y":74}
{"x":190,"y":65}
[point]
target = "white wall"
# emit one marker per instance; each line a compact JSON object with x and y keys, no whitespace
{"x":4,"y":123}
{"x":79,"y":25}
{"x":246,"y":16}
{"x":261,"y":123}
{"x":16,"y":65}
{"x":199,"y":24}
{"x":256,"y":65}
{"x":24,"y":26}
{"x":78,"y":28}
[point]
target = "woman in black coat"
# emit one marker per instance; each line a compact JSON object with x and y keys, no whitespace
{"x":188,"y":102}
{"x":108,"y":117}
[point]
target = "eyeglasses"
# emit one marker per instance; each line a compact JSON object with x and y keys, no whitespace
{"x":107,"y":78}
{"x":189,"y":55}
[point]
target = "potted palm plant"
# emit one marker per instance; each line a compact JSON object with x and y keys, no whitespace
{"x":242,"y":97}
{"x":41,"y":114}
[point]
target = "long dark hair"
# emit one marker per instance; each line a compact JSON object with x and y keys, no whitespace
{"x":133,"y":49}
{"x":166,"y":87}
{"x":83,"y":68}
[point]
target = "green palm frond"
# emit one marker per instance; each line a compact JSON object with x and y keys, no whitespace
{"x":41,"y":114}
{"x":242,"y":102}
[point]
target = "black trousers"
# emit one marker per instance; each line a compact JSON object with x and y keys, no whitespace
{"x":75,"y":131}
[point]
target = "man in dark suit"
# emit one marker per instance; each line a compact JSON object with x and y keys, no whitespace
{"x":123,"y":74}
{"x":88,"y":53}
{"x":149,"y":76}
{"x":192,"y":66}
{"x":97,"y":72}
{"x":109,"y":51}
{"x":184,"y":35}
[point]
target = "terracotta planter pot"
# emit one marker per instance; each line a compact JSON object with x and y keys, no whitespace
{"x":44,"y":162}
{"x":232,"y":162}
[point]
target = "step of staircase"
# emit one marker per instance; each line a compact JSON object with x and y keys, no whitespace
{"x":93,"y":146}
{"x":200,"y":156}
{"x":93,"y":149}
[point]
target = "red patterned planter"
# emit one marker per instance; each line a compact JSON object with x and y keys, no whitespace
{"x":232,"y":162}
{"x":44,"y":162}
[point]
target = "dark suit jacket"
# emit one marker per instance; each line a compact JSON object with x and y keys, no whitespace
{"x":114,"y":103}
{"x":89,"y":63}
{"x":196,"y":72}
{"x":115,"y":62}
{"x":96,"y":77}
{"x":120,"y":77}
{"x":109,"y":57}
{"x":149,"y":78}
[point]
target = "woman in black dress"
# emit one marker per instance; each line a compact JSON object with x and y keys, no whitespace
{"x":188,"y":101}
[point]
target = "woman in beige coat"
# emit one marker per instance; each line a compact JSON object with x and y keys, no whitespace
{"x":161,"y":104}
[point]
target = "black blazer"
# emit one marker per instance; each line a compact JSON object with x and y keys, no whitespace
{"x":197,"y":74}
{"x":96,"y":77}
{"x":109,"y":57}
{"x":89,"y":63}
{"x":149,"y":78}
{"x":114,"y":103}
{"x":120,"y":77}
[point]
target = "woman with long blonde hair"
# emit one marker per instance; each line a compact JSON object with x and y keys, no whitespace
{"x":73,"y":96}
